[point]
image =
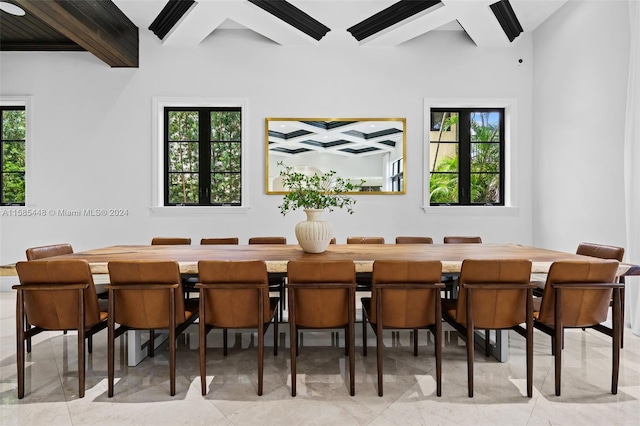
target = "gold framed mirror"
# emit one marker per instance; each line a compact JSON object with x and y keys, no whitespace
{"x":369,"y":152}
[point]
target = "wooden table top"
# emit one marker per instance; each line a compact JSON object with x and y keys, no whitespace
{"x":363,"y":255}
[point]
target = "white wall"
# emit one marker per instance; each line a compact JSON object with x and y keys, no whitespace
{"x":91,"y":145}
{"x":581,"y":60}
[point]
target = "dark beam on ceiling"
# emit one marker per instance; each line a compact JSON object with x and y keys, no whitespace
{"x":507,"y":19}
{"x":98,"y":26}
{"x":390,"y":16}
{"x":169,"y":16}
{"x":294,"y":17}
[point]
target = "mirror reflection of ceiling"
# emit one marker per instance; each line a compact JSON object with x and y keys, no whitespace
{"x":344,"y":138}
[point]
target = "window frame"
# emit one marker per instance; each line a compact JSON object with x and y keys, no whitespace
{"x":204,"y":154}
{"x":510,"y":196}
{"x":159,"y":156}
{"x":465,"y":145}
{"x":21,"y":102}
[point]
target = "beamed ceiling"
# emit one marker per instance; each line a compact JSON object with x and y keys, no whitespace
{"x":109,"y":28}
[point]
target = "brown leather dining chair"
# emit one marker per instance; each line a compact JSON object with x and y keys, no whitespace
{"x":450,"y":280}
{"x":56,"y":295}
{"x":453,"y":239}
{"x":190,"y":280}
{"x":600,"y":251}
{"x":493,"y":295}
{"x":170,"y":241}
{"x":219,"y":241}
{"x":235,"y":294}
{"x":578,"y":295}
{"x":147,"y":295}
{"x":276,"y":280}
{"x":414,"y":240}
{"x":365,"y":240}
{"x":322,"y":296}
{"x":43,"y":252}
{"x":363,"y":279}
{"x":404,"y":295}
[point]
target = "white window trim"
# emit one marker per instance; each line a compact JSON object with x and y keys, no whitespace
{"x":27,"y":103}
{"x":157,"y":156}
{"x":510,"y":106}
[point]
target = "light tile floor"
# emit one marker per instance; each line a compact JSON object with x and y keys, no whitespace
{"x":142,"y":392}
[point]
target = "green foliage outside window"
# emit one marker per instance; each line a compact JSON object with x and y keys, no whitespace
{"x":204,"y":142}
{"x":13,"y":146}
{"x":485,"y":146}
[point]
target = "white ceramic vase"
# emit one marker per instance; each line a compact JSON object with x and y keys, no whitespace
{"x":314,"y":234}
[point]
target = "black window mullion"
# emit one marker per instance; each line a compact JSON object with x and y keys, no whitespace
{"x":167,"y":175}
{"x":205,"y":156}
{"x":464,"y":157}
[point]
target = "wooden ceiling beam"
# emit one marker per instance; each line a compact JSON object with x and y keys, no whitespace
{"x":98,"y":26}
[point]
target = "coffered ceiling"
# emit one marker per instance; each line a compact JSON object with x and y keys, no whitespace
{"x":109,"y":28}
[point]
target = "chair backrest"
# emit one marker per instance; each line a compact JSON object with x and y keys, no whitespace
{"x":414,"y":240}
{"x":146,"y":309}
{"x":215,"y":241}
{"x":42,"y":252}
{"x":403,"y":307}
{"x":580,"y":307}
{"x":501,"y":308}
{"x":58,"y":309}
{"x":321,"y":307}
{"x":453,"y":239}
{"x":365,"y":240}
{"x":267,"y":240}
{"x":170,"y":241}
{"x":230,"y":307}
{"x":601,"y":251}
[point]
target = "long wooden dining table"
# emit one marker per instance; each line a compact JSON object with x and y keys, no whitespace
{"x":276,"y":257}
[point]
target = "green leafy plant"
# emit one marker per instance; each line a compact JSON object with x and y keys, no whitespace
{"x":325,"y":191}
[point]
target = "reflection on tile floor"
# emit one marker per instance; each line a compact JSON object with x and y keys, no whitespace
{"x":142,"y":392}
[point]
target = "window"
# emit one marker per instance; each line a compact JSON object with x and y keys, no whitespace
{"x":13,"y":149}
{"x":397,"y":175}
{"x":467,"y":156}
{"x":202,"y":156}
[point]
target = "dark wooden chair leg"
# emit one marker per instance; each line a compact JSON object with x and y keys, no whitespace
{"x":438,"y":344}
{"x":261,"y":330}
{"x":293,"y":340}
{"x":202,"y":340}
{"x":20,"y":332}
{"x":346,"y":341}
{"x":558,"y":337}
{"x":364,"y":332}
{"x":275,"y":337}
{"x":152,"y":343}
{"x":529,"y":342}
{"x":111,"y":344}
{"x":172,"y":343}
{"x":622,"y":314}
{"x":81,"y":336}
{"x":487,"y":343}
{"x":415,"y":342}
{"x":352,"y":341}
{"x":225,"y":347}
{"x":617,"y":338}
{"x":470,"y":343}
{"x":379,"y":354}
